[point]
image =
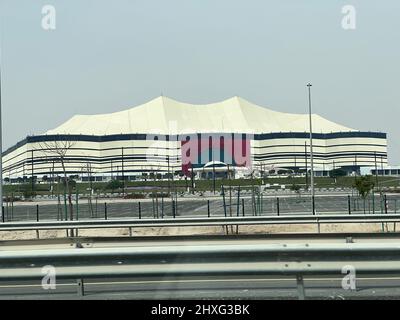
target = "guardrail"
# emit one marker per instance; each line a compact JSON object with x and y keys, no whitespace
{"x":201,"y":222}
{"x":297,"y":260}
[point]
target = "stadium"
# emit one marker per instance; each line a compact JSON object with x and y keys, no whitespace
{"x":168,"y":137}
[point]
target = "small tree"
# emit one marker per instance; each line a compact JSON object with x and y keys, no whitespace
{"x":114,"y":184}
{"x":26,"y":190}
{"x":71,"y":183}
{"x":296,"y":188}
{"x":336,"y":173}
{"x":57,"y":151}
{"x":364,"y":185}
{"x":87,"y":169}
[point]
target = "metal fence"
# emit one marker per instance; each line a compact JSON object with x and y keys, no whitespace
{"x":233,"y":204}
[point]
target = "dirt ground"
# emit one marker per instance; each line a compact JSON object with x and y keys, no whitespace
{"x":271,"y":229}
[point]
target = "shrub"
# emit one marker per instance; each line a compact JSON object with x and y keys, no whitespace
{"x":114,"y":184}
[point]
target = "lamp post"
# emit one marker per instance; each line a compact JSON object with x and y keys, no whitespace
{"x":1,"y":156}
{"x":311,"y":148}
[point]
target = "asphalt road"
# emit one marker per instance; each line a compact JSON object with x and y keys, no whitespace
{"x":198,"y":207}
{"x":206,"y":287}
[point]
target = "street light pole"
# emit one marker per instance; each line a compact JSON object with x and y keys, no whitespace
{"x":1,"y":156}
{"x":311,"y":147}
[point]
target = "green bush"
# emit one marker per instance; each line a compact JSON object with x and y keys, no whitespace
{"x":114,"y":184}
{"x":27,"y":191}
{"x":71,"y":183}
{"x":295,"y":187}
{"x":364,"y":185}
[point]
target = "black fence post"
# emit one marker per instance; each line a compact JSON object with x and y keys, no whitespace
{"x":2,"y":214}
{"x":37,"y":213}
{"x":238,"y":203}
{"x":208,"y":208}
{"x":140,"y":211}
{"x":373,"y":202}
{"x":349,"y":203}
{"x":173,"y":208}
{"x":223,"y":199}
{"x":313,"y":205}
{"x":277,"y":206}
{"x":243,"y":207}
{"x":162,"y":207}
{"x":386,"y":203}
{"x":105,"y":210}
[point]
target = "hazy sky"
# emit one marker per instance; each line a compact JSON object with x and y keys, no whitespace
{"x":106,"y":56}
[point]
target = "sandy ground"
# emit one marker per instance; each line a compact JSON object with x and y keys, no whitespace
{"x":118,"y":232}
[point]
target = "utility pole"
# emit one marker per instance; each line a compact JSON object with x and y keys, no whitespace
{"x":376,"y":171}
{"x":123,"y":171}
{"x":111,"y":164}
{"x":33,"y":181}
{"x":192,"y":177}
{"x":355,"y":165}
{"x":1,"y":155}
{"x":213,"y":176}
{"x":311,"y":144}
{"x":168,"y":173}
{"x":305,"y":159}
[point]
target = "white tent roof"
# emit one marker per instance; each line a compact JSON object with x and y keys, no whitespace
{"x":167,"y":116}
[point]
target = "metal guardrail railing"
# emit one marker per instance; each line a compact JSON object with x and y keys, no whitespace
{"x":200,"y":222}
{"x":268,"y":260}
